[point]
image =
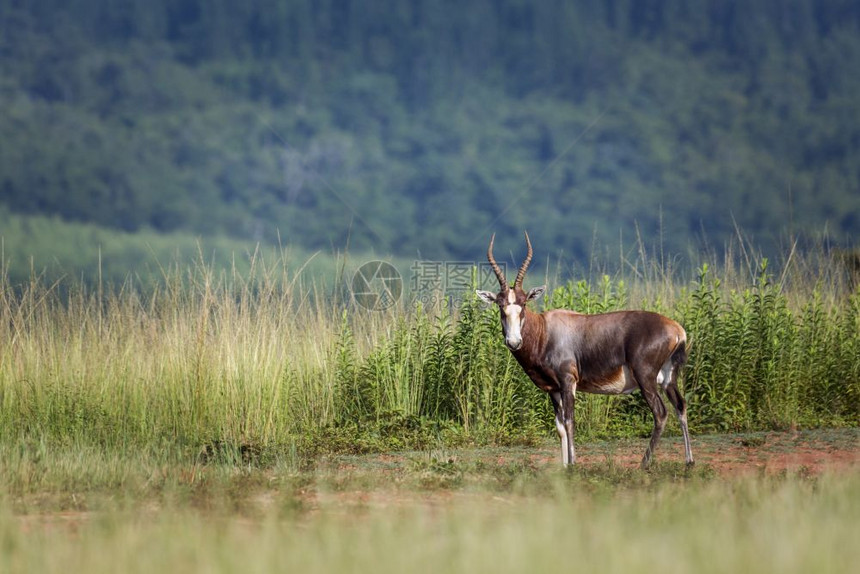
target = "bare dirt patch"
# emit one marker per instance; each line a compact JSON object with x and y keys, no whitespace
{"x":441,"y":478}
{"x":808,"y":452}
{"x":493,"y":477}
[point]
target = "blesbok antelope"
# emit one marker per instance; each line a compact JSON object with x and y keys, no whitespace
{"x":609,"y":353}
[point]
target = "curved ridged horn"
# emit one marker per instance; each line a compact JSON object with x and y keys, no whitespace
{"x":499,"y":275}
{"x":522,"y":272}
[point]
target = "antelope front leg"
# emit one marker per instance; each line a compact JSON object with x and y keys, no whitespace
{"x":560,"y":428}
{"x":568,"y":402}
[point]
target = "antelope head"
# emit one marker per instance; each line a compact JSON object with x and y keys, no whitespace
{"x":511,"y":300}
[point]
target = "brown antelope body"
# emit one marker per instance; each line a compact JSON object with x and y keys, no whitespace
{"x":609,"y":353}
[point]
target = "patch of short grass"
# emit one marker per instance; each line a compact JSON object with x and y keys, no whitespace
{"x":659,"y":521}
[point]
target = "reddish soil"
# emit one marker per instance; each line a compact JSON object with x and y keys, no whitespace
{"x":741,"y":459}
{"x":69,"y":522}
{"x":349,"y":485}
{"x":807,"y":452}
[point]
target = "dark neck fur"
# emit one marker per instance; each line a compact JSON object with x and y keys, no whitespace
{"x":534,"y":339}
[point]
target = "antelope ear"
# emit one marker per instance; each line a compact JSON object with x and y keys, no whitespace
{"x":487,"y":296}
{"x":535,"y":293}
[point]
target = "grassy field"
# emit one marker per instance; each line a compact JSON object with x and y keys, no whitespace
{"x":255,"y":364}
{"x":56,"y":250}
{"x":501,"y":509}
{"x":225,"y":420}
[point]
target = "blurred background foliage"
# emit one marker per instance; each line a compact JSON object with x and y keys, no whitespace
{"x":417,"y":128}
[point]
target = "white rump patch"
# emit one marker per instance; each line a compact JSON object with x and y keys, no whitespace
{"x":665,"y":374}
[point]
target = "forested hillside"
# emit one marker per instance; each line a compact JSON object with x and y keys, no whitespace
{"x":419,"y":127}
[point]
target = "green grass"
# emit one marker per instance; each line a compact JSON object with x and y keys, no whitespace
{"x":251,"y":364}
{"x":439,"y":514}
{"x":440,"y":509}
{"x":221,"y":419}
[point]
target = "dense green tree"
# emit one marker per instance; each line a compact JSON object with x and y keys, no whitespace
{"x":422,"y":126}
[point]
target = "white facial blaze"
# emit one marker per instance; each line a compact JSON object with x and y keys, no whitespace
{"x":513,"y":337}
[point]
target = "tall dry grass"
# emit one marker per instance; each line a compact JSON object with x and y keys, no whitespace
{"x":244,"y":364}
